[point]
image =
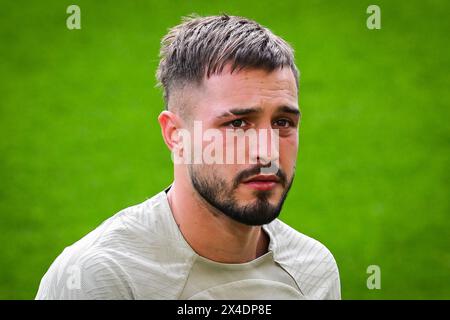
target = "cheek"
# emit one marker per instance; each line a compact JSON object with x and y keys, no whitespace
{"x":225,"y":174}
{"x":236,"y":150}
{"x":288,"y":152}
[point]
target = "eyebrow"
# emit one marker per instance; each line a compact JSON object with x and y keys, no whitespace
{"x":240,"y":112}
{"x":247,"y":111}
{"x":292,"y":110}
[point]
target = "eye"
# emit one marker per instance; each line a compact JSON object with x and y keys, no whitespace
{"x":237,"y":123}
{"x":283,"y":123}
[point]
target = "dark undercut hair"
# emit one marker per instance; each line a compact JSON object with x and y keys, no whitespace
{"x":202,"y":46}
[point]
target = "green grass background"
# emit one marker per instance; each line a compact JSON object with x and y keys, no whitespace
{"x":80,"y":139}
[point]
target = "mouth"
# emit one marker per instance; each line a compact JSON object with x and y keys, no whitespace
{"x":262,"y":182}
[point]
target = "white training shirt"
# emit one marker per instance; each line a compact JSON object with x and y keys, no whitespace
{"x":140,"y":253}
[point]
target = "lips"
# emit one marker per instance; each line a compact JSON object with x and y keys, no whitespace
{"x":263,"y":178}
{"x":262,"y":182}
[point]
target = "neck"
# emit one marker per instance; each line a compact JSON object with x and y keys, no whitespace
{"x":214,"y":235}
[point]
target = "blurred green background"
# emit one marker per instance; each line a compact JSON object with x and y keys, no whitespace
{"x":80,"y":139}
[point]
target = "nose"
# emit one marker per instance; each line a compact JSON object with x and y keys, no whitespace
{"x":267,"y":152}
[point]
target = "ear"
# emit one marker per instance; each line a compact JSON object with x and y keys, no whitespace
{"x":170,"y":123}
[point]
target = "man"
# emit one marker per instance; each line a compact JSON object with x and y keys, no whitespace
{"x":214,"y":233}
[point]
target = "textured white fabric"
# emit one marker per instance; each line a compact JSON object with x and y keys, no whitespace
{"x":139,"y":253}
{"x":261,"y":278}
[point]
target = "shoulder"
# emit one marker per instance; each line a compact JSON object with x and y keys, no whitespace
{"x":129,"y":256}
{"x":307,"y":260}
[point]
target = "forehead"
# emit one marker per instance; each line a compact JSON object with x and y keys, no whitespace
{"x":248,"y":88}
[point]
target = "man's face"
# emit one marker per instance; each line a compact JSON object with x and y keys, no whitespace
{"x":249,"y":101}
